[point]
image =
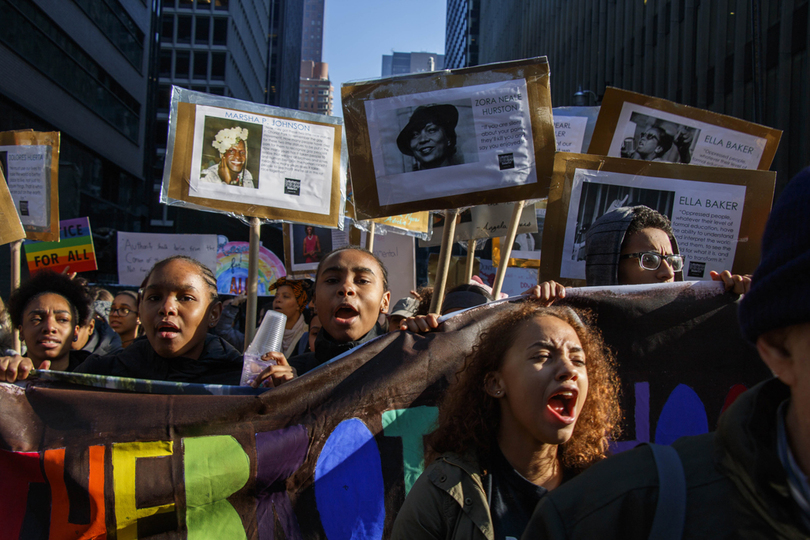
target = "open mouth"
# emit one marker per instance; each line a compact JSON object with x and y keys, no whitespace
{"x":345,"y":314}
{"x":562,"y":404}
{"x":167,"y":329}
{"x":49,"y":343}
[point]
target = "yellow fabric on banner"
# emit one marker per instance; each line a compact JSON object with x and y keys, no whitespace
{"x":124,"y":457}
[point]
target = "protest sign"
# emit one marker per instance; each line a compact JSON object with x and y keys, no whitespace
{"x":718,"y":214}
{"x":12,"y":229}
{"x":526,"y":249}
{"x":573,"y":128}
{"x":398,"y":253}
{"x":516,"y":281}
{"x":484,"y":221}
{"x":232,"y":268}
{"x":331,"y":454}
{"x":138,"y":252}
{"x":414,"y":224}
{"x":74,"y":252}
{"x":254,"y":160}
{"x":491,"y":140}
{"x":636,"y":126}
{"x":30,"y":162}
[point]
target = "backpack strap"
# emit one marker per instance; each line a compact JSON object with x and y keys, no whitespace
{"x":670,"y":513}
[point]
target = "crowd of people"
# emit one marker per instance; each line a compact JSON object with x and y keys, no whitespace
{"x":522,"y":441}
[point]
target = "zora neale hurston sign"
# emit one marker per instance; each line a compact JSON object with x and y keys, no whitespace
{"x":253,"y":160}
{"x":439,"y":140}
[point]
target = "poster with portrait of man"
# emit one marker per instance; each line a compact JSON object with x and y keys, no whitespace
{"x":718,"y":214}
{"x":434,"y":141}
{"x":254,"y":160}
{"x":636,"y":126}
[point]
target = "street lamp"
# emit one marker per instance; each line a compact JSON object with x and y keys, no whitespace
{"x":581,"y":98}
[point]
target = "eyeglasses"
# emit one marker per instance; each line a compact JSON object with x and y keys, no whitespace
{"x":650,"y":260}
{"x":649,"y":136}
{"x":122,"y":311}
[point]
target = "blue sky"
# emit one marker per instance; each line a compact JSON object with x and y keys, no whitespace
{"x":357,"y":33}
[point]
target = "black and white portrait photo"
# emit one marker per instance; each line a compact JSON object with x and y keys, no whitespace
{"x":656,"y":139}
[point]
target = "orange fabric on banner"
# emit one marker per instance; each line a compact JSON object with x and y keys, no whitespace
{"x":54,"y":464}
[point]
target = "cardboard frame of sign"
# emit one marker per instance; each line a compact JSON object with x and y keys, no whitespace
{"x":35,"y":155}
{"x":718,"y":214}
{"x":496,"y":142}
{"x":12,"y":229}
{"x":246,"y":159}
{"x":679,"y":134}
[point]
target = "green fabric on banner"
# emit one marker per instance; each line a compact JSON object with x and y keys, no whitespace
{"x":216,"y":467}
{"x":412,"y":425}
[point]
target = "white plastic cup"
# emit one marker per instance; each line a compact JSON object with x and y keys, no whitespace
{"x":269,"y":335}
{"x":268,"y":338}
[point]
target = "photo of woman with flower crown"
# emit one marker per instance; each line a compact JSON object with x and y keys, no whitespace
{"x":225,"y":158}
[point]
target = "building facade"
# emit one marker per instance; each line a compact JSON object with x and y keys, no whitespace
{"x":316,"y":90}
{"x":81,"y":67}
{"x":461,"y":37}
{"x":747,"y":59}
{"x":401,"y":63}
{"x":312,"y":30}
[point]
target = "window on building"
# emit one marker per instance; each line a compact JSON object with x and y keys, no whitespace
{"x":221,"y":5}
{"x":183,"y":29}
{"x":218,"y":66}
{"x":220,"y":31}
{"x":181,"y":64}
{"x":202,"y":30}
{"x":165,"y":63}
{"x":200,"y":65}
{"x":167,"y":29}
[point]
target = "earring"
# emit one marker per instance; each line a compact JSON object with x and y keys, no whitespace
{"x":498,"y":393}
{"x":75,"y":338}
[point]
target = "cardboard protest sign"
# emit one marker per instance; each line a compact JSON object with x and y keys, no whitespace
{"x":484,"y":221}
{"x":331,"y":454}
{"x":12,"y":229}
{"x":516,"y":282}
{"x":138,"y":252}
{"x":232,"y":268}
{"x":30,"y":163}
{"x":636,"y":126}
{"x":73,"y":252}
{"x":441,"y":140}
{"x":526,"y":249}
{"x":573,"y":128}
{"x":254,"y":160}
{"x":718,"y":214}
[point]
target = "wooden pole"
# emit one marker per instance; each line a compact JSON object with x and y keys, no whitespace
{"x":370,"y":236}
{"x":16,"y":247}
{"x":506,"y":249}
{"x":468,"y":268}
{"x":444,"y":260}
{"x":253,"y":279}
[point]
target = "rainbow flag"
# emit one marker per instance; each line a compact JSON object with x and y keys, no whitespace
{"x":74,"y":250}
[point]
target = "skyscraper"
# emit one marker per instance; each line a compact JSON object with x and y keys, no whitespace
{"x":401,"y":63}
{"x":461,"y":37}
{"x":315,"y":91}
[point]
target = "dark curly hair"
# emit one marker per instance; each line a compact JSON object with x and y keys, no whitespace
{"x":469,"y":418}
{"x":645,"y":217}
{"x":49,"y":282}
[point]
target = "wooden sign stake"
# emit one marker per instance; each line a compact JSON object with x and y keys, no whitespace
{"x":444,"y":259}
{"x":506,"y":249}
{"x":253,"y":279}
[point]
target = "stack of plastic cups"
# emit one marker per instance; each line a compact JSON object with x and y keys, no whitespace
{"x":268,"y":338}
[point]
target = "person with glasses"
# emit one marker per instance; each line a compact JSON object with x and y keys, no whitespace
{"x":635,"y":245}
{"x":124,"y":317}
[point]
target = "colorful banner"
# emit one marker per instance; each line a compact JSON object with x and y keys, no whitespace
{"x":333,"y":453}
{"x":74,"y":252}
{"x":232,"y":268}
